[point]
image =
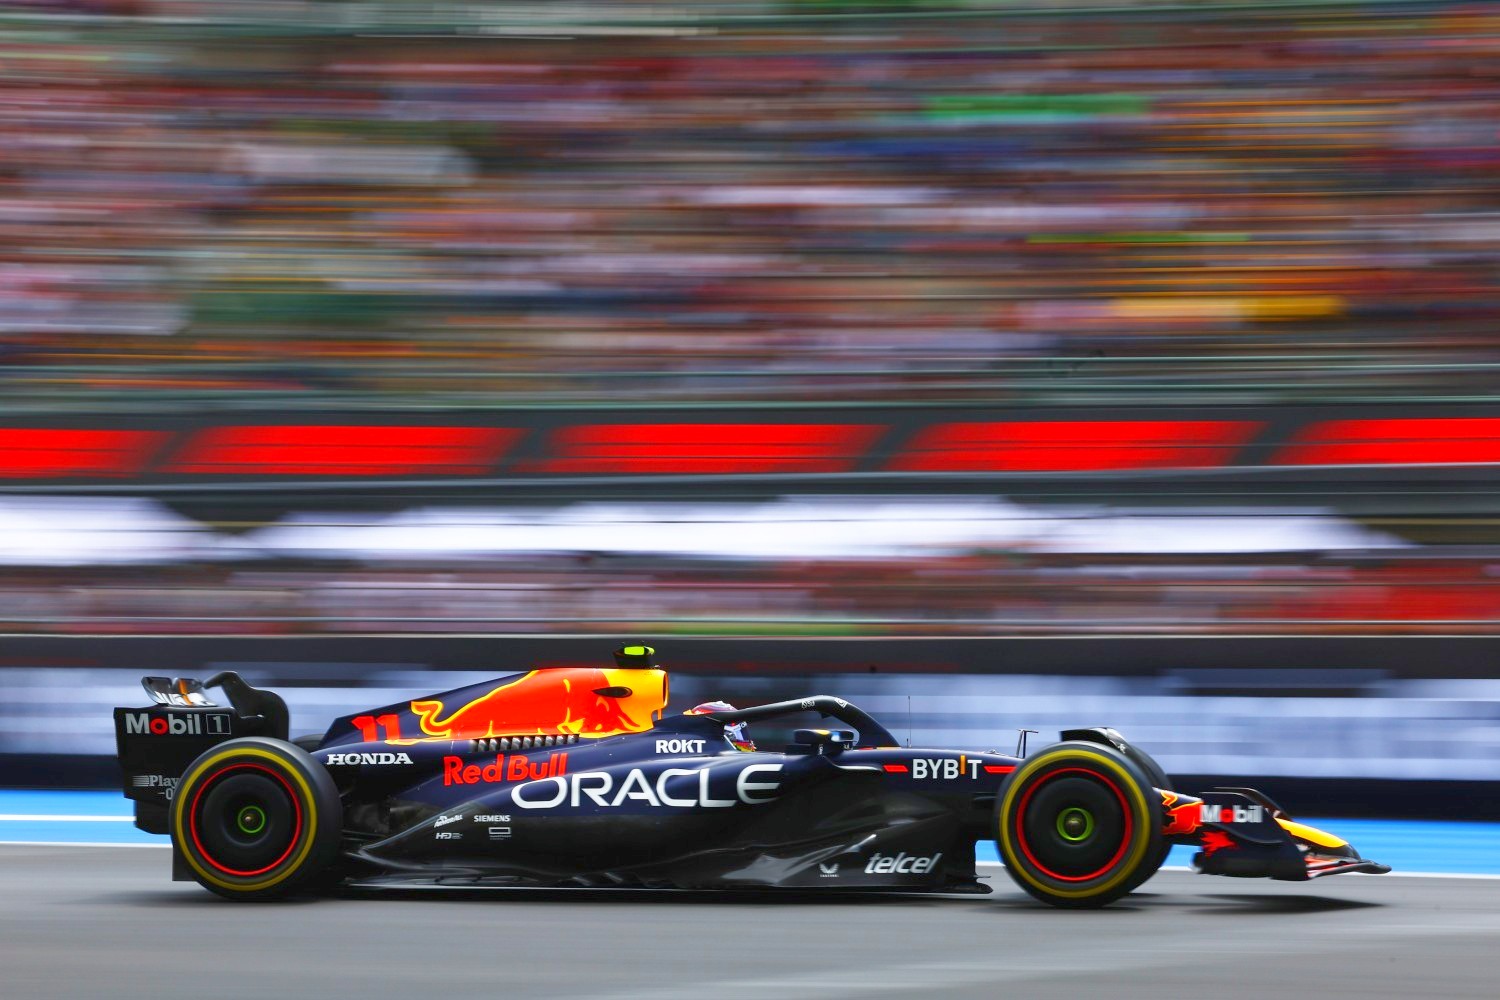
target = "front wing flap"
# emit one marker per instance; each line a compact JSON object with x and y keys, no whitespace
{"x":1241,"y":833}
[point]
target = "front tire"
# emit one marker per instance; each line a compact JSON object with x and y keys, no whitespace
{"x":1078,"y":825}
{"x":1158,"y":779}
{"x":256,"y":818}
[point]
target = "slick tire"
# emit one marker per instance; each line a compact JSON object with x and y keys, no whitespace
{"x":1078,"y":825}
{"x":1158,"y":779}
{"x":257,"y":819}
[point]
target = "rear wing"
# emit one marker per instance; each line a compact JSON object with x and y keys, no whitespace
{"x":156,"y":743}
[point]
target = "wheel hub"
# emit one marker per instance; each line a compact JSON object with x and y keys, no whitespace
{"x":1075,"y":824}
{"x":252,"y":820}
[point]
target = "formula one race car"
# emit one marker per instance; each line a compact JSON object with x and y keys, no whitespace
{"x":574,"y":777}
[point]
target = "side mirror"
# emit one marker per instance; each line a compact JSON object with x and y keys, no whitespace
{"x":824,"y":742}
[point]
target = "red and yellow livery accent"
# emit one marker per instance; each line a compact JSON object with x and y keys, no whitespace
{"x":580,"y":701}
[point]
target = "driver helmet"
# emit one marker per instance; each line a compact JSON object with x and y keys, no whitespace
{"x":736,"y":733}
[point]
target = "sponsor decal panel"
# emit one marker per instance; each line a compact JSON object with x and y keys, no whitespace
{"x":178,"y":724}
{"x":448,"y":835}
{"x":946,"y":768}
{"x":901,"y":864}
{"x":1214,"y":813}
{"x":166,"y":784}
{"x":366,"y":759}
{"x":499,"y":832}
{"x":828,"y":871}
{"x":674,"y":787}
{"x":680,"y":746}
{"x":445,"y":820}
{"x":514,"y":767}
{"x":492,"y":818}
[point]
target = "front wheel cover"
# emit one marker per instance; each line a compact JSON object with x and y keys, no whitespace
{"x":1078,"y":825}
{"x":256,"y":818}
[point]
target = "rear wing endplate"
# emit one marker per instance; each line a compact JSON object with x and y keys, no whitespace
{"x":156,"y":743}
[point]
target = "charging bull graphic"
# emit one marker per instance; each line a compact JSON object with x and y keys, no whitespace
{"x":581,"y":701}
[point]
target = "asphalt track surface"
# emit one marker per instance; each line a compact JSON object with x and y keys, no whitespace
{"x":83,"y":922}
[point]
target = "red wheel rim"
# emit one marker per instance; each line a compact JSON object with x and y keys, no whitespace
{"x":193,"y":820}
{"x":1020,"y":824}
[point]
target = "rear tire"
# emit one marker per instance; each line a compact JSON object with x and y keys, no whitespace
{"x":1078,"y":825}
{"x":256,"y":818}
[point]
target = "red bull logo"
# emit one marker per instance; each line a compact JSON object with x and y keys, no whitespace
{"x":581,"y":701}
{"x":1214,"y":841}
{"x":517,"y":768}
{"x":1181,"y":813}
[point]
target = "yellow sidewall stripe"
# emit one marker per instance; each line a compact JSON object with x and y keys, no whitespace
{"x":184,"y":839}
{"x":1141,"y":809}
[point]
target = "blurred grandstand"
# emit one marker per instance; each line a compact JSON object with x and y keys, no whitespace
{"x":246,"y":202}
{"x":258,"y":208}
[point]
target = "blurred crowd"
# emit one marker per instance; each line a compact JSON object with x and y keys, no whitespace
{"x":466,"y":203}
{"x":790,"y":566}
{"x":977,"y":594}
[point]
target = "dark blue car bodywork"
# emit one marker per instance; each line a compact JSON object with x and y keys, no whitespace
{"x":673,"y":805}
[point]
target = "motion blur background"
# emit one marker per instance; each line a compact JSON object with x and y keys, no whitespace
{"x":1048,"y":362}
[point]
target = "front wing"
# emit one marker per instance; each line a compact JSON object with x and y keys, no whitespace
{"x":1241,"y":833}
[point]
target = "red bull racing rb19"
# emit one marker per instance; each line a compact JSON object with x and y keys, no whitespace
{"x":579,"y":776}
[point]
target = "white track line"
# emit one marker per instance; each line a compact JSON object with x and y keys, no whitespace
{"x":60,"y":818}
{"x":72,"y":843}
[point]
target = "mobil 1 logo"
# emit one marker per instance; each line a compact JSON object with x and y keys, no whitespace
{"x":178,"y":724}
